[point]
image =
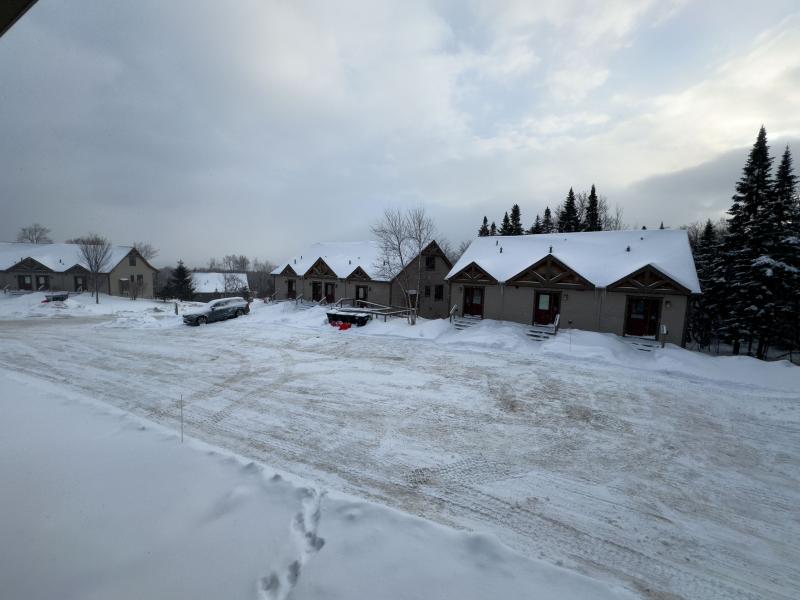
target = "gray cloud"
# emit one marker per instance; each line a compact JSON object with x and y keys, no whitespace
{"x":258,"y":127}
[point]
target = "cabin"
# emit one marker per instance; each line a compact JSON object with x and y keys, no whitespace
{"x":333,"y":271}
{"x":630,"y":283}
{"x":210,"y":286}
{"x":60,"y":267}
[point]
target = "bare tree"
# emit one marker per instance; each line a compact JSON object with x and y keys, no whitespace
{"x":213,"y":265}
{"x":259,"y":277}
{"x":235,"y":263}
{"x":34,"y":234}
{"x":96,"y":253}
{"x":609,"y":221}
{"x":462,"y":247}
{"x":147,"y":250}
{"x":402,"y":237}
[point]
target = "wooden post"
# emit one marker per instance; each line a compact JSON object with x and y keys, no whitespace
{"x":181,"y":414}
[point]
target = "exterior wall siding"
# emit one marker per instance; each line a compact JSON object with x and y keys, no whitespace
{"x":429,"y":307}
{"x":125,"y":270}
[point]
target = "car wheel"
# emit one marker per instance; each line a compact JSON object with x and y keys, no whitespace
{"x":202,"y":321}
{"x":238,"y":313}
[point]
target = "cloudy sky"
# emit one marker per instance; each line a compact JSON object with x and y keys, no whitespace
{"x":259,"y":126}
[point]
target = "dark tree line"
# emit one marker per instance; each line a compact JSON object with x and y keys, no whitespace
{"x":749,"y":265}
{"x":585,"y":211}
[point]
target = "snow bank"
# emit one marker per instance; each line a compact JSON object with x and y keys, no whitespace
{"x":97,"y":504}
{"x":574,"y":344}
{"x":77,"y":305}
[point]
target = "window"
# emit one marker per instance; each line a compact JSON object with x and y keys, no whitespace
{"x":24,"y":282}
{"x":140,"y":280}
{"x":427,"y":291}
{"x":430,"y":263}
{"x":131,"y":260}
{"x":438,"y":292}
{"x":42,"y":282}
{"x":123,"y":287}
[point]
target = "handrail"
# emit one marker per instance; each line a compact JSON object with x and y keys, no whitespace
{"x":556,"y":322}
{"x":297,"y":299}
{"x":340,"y":302}
{"x":322,"y":301}
{"x":453,"y":311}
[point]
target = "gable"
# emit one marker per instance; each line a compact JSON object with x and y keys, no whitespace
{"x":320,"y":269}
{"x":551,"y":272}
{"x":124,"y":260}
{"x":433,"y":249}
{"x":288,"y":271}
{"x":29,"y":264}
{"x":472,"y":273}
{"x":648,"y":279}
{"x":359,"y":274}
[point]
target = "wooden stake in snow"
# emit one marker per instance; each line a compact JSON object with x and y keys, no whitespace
{"x":181,"y":418}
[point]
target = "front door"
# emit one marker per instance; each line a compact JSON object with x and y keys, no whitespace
{"x":642,"y":316}
{"x":291,"y":292}
{"x":24,"y":282}
{"x":473,"y":301}
{"x":546,"y":307}
{"x":361,"y":293}
{"x":316,"y":291}
{"x":330,"y":292}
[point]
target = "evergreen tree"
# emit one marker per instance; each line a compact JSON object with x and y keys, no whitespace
{"x":181,"y":283}
{"x":547,"y":221}
{"x":568,"y":217}
{"x":537,"y":225}
{"x":778,"y":266}
{"x":591,"y":220}
{"x":745,"y":318}
{"x":516,"y":221}
{"x":505,"y":228}
{"x":484,"y":229}
{"x":703,"y":321}
{"x":493,"y":229}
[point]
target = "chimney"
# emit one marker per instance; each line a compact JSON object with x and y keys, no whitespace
{"x":628,"y":249}
{"x":551,"y":249}
{"x":501,"y":249}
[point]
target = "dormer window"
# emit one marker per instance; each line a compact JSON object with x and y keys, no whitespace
{"x":430,"y":263}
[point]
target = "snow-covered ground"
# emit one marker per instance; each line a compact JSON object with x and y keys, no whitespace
{"x":97,"y":504}
{"x":670,"y":473}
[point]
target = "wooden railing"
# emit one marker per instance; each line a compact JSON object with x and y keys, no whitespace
{"x":453,"y":312}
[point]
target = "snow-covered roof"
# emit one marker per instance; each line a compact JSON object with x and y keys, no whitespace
{"x":342,"y":257}
{"x":57,"y":257}
{"x":602,"y":257}
{"x":209,"y":283}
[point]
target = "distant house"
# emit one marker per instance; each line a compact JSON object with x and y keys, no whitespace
{"x":209,"y":286}
{"x":333,"y":271}
{"x":32,"y":267}
{"x":623,"y":282}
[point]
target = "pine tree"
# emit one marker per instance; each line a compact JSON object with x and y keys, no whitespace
{"x":484,"y":229}
{"x":591,"y":220}
{"x":703,"y":320}
{"x":568,"y":217}
{"x":745,"y":318}
{"x":537,"y":225}
{"x":505,"y":228}
{"x":181,"y":282}
{"x":778,"y":267}
{"x":547,"y":221}
{"x":493,"y":229}
{"x":516,"y":221}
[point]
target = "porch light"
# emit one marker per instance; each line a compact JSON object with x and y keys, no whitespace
{"x":668,"y":303}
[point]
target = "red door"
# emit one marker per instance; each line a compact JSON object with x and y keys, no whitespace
{"x":330,"y":292}
{"x":473,"y":301}
{"x":546,"y":307}
{"x":642,"y":316}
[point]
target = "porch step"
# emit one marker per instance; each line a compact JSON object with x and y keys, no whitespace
{"x":462,"y":323}
{"x":541,"y":333}
{"x":643,"y":344}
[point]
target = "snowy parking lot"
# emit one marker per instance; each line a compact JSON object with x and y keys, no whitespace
{"x":673,"y":474}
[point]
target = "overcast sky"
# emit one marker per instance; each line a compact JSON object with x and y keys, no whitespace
{"x":258,"y":127}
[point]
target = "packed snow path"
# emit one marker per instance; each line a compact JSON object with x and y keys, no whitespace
{"x":676,"y":486}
